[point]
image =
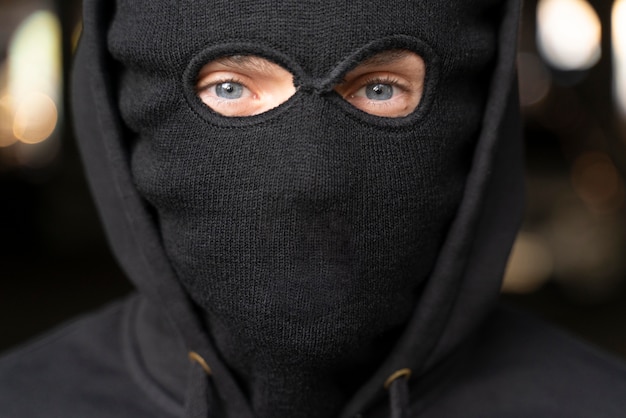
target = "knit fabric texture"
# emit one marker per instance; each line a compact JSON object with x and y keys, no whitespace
{"x":305,"y":233}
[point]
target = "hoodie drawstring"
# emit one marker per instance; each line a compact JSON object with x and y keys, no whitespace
{"x":200,"y":401}
{"x":398,"y":386}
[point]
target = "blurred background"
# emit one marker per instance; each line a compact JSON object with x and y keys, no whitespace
{"x":568,"y":263}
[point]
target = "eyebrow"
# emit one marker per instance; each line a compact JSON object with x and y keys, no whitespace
{"x":259,"y":64}
{"x":256,"y":63}
{"x":247,"y":63}
{"x":385,"y":57}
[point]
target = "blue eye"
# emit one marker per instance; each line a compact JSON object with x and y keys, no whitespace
{"x":379,"y":91}
{"x":229,"y":90}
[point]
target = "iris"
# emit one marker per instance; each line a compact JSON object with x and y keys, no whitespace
{"x":229,"y":90}
{"x":379,"y":91}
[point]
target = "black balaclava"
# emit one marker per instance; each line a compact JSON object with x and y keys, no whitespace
{"x":306,"y":233}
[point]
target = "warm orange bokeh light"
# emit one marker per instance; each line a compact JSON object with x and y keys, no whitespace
{"x":36,"y":117}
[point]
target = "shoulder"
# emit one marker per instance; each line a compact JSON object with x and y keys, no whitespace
{"x":77,"y":370}
{"x":521,"y":366}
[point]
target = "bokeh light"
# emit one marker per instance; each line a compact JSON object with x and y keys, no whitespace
{"x":35,"y":118}
{"x":597,"y":182}
{"x":34,"y":77}
{"x":618,"y":23}
{"x":7,"y":138}
{"x":534,"y":79}
{"x":568,"y":34}
{"x":530,"y":265}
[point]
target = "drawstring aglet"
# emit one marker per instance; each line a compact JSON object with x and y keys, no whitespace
{"x":196,"y":358}
{"x":398,"y":387}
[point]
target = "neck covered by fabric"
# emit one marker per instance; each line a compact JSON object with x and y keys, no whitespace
{"x":304,"y":234}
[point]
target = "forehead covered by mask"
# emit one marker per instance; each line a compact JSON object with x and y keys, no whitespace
{"x":317,"y":35}
{"x":304,"y":233}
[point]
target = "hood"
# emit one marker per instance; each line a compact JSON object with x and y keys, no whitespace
{"x":460,"y":285}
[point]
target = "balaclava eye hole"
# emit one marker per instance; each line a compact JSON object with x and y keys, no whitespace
{"x":388,"y":83}
{"x":243,"y":85}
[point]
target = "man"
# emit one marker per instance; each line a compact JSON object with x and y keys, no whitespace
{"x":316,"y":201}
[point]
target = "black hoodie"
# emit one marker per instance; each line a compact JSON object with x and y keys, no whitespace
{"x":313,"y":260}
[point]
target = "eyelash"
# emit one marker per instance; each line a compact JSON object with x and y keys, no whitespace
{"x":223,"y":80}
{"x":384,"y":80}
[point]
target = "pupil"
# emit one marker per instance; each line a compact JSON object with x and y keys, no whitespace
{"x":229,"y":90}
{"x":379,"y":92}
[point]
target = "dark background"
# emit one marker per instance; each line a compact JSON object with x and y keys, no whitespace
{"x":569,"y":262}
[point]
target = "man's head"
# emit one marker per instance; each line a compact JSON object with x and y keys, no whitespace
{"x":304,"y":164}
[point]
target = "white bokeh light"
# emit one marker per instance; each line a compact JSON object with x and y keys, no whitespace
{"x":568,"y":34}
{"x":34,"y":77}
{"x":619,"y":54}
